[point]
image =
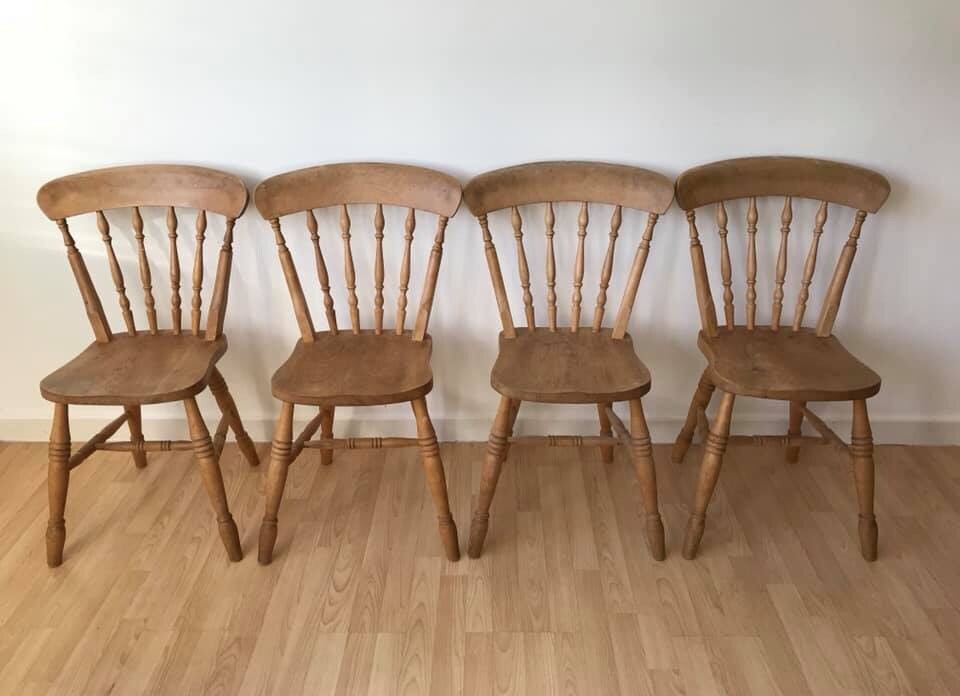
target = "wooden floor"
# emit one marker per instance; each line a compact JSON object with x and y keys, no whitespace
{"x":565,"y":600}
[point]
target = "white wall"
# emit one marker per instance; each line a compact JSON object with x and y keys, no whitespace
{"x":259,"y":88}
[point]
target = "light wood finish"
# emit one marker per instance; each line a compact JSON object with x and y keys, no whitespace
{"x":799,"y":177}
{"x":647,"y":477}
{"x":569,"y":368}
{"x":156,"y":365}
{"x":360,"y":599}
{"x":355,"y":370}
{"x":714,"y":448}
{"x":362,"y":367}
{"x":794,"y":366}
{"x":698,"y":407}
{"x":800,"y":365}
{"x":567,"y":365}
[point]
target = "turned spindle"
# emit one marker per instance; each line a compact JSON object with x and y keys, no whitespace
{"x":725,"y":271}
{"x":752,"y":264}
{"x":409,"y":225}
{"x":174,"y":269}
{"x":607,"y":270}
{"x":378,"y":271}
{"x":582,"y":221}
{"x":146,"y":279}
{"x":349,"y":272}
{"x":104,"y":227}
{"x":196,"y":302}
{"x":551,"y":268}
{"x":322,"y":276}
{"x":785,"y":218}
{"x":809,"y":267}
{"x":524,"y":270}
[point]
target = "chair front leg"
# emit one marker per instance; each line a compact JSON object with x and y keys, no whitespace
{"x":326,"y":433}
{"x":795,"y":430}
{"x":218,"y":385}
{"x":861,"y":450}
{"x":276,"y":481}
{"x":606,"y":453}
{"x":58,"y":479}
{"x":647,"y":476}
{"x":496,"y":454}
{"x":135,"y":423}
{"x":212,"y":478}
{"x":700,"y":401}
{"x":714,"y":448}
{"x":436,"y":479}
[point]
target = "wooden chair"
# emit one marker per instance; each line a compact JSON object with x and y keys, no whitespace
{"x":789,"y":363}
{"x":354,"y":366}
{"x":151,"y":366}
{"x":575,"y":364}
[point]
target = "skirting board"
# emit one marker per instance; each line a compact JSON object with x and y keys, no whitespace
{"x":885,"y":431}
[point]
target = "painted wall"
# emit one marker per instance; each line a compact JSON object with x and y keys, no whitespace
{"x":258,"y":89}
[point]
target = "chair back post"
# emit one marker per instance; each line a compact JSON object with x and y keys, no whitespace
{"x":156,"y":186}
{"x":790,"y":177}
{"x":348,"y":184}
{"x":583,"y":183}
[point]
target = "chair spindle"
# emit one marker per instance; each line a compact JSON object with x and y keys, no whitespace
{"x":809,"y":267}
{"x":91,"y":300}
{"x":582,"y":221}
{"x":633,"y":281}
{"x":221,"y":284}
{"x":104,"y":227}
{"x":145,"y":278}
{"x":725,"y":271}
{"x":430,"y":281}
{"x":831,"y":305}
{"x":322,"y":276}
{"x":196,"y":302}
{"x":752,"y":264}
{"x":349,"y":272}
{"x":708,"y":313}
{"x":551,"y":263}
{"x":174,"y":269}
{"x":496,"y":278}
{"x":517,"y":223}
{"x":409,"y":225}
{"x":378,"y":225}
{"x":300,"y":307}
{"x":786,"y":217}
{"x":615,"y":221}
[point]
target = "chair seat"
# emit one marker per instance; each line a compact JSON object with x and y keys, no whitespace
{"x":140,"y":369}
{"x":355,"y":370}
{"x":569,"y":368}
{"x":786,"y":364}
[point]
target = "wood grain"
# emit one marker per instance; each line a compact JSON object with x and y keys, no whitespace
{"x":775,"y":604}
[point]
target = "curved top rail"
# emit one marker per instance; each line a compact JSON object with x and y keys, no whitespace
{"x":143,"y":185}
{"x":801,"y":177}
{"x":593,"y":182}
{"x":358,"y":182}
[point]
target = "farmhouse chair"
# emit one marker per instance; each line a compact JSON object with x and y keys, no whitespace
{"x":347,"y":365}
{"x":577,"y":363}
{"x":787,"y":362}
{"x":133,"y":368}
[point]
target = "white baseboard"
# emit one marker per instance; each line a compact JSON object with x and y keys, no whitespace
{"x":664,"y":430}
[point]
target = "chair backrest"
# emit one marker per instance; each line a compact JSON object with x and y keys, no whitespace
{"x":548,"y":183}
{"x":153,"y":185}
{"x":790,"y":177}
{"x":342,"y":185}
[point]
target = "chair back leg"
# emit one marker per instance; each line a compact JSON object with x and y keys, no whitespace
{"x":135,"y":424}
{"x":228,"y":408}
{"x":699,"y":403}
{"x":493,"y":461}
{"x":58,"y":479}
{"x":436,"y":479}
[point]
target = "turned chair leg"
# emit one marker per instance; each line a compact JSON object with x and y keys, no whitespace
{"x":699,"y":403}
{"x":326,"y":433}
{"x":212,"y":478}
{"x":276,"y":480}
{"x":135,"y":423}
{"x":606,"y":453}
{"x":714,"y":448}
{"x":496,"y":454}
{"x":796,"y":421}
{"x":647,"y":476}
{"x":58,"y":479}
{"x":436,"y":479}
{"x":861,"y":449}
{"x":218,"y":385}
